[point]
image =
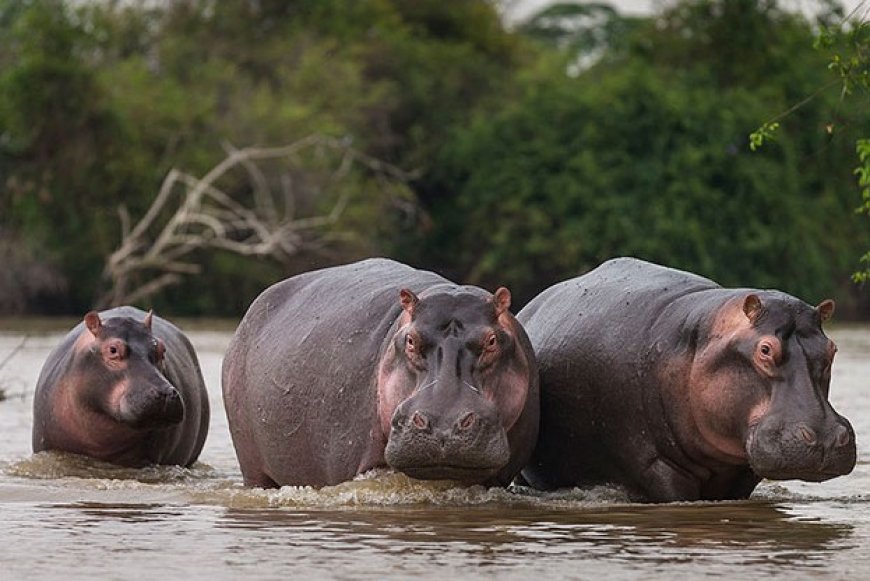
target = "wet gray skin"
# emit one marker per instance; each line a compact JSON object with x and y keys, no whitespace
{"x":678,"y":389}
{"x":334,"y":372}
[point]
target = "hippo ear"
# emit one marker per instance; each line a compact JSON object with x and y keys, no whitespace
{"x":501,"y":300}
{"x":826,"y":309}
{"x":147,"y":321}
{"x":752,"y":307}
{"x":93,"y":323}
{"x":409,"y":300}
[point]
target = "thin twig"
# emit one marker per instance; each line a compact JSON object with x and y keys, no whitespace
{"x":14,"y":351}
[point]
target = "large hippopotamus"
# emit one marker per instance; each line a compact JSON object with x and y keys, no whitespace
{"x":124,"y":386}
{"x":678,"y":389}
{"x":337,"y":371}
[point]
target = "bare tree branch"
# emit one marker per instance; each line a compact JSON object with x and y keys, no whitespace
{"x":152,"y":287}
{"x":14,"y":351}
{"x":258,"y":218}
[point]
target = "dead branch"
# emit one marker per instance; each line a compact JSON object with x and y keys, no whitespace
{"x":257,"y":218}
{"x":14,"y":351}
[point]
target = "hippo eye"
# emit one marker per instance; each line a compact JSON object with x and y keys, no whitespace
{"x":409,"y":342}
{"x":491,"y":342}
{"x":768,"y":352}
{"x":114,"y":351}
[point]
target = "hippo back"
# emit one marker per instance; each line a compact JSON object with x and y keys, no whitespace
{"x":608,"y":314}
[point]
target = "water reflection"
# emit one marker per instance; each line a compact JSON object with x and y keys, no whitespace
{"x":95,"y":512}
{"x":751,"y":532}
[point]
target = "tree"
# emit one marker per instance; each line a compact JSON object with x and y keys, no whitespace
{"x":644,"y":154}
{"x":60,"y":145}
{"x":100,"y":100}
{"x":846,"y":40}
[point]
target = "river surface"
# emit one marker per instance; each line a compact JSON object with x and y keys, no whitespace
{"x":65,"y":517}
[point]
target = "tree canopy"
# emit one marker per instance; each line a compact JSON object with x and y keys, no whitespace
{"x":536,"y":151}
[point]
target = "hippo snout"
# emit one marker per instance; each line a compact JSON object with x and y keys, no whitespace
{"x":802,"y":451}
{"x":470,"y":445}
{"x":420,"y":422}
{"x":153,"y":407}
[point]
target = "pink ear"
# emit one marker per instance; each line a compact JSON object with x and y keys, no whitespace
{"x":501,"y":300}
{"x":147,"y":321}
{"x":752,"y":307}
{"x":826,"y":309}
{"x":409,"y":300}
{"x":93,"y":323}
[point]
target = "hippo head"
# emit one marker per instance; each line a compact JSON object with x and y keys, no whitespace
{"x":761,"y":389}
{"x":452,"y":383}
{"x":120,"y":371}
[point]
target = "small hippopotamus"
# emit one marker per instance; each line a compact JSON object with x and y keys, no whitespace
{"x":678,"y":389}
{"x":337,"y":371}
{"x":124,"y":386}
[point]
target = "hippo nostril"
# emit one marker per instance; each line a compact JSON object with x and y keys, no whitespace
{"x":466,"y":421}
{"x":843,"y":438}
{"x":173,"y":409}
{"x":419,"y":421}
{"x":807,"y":435}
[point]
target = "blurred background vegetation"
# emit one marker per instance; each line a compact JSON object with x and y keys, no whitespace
{"x":536,"y":149}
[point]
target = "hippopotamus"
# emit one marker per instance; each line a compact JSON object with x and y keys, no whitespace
{"x":373,"y":364}
{"x":677,"y":389}
{"x":125,"y":387}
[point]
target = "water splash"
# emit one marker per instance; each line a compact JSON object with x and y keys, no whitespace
{"x":59,"y":465}
{"x":385,"y":488}
{"x":79,"y":477}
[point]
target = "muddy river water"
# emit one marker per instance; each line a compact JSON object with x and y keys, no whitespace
{"x":63,"y":517}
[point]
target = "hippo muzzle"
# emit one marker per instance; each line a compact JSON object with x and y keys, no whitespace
{"x":151,"y":404}
{"x":781,"y":450}
{"x":464,"y":442}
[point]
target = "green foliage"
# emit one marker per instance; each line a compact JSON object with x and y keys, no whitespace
{"x":539,"y":151}
{"x":847,"y":43}
{"x":60,"y":141}
{"x":99,"y":100}
{"x":645,"y":155}
{"x":863,"y":172}
{"x":762,"y":134}
{"x":850,"y":58}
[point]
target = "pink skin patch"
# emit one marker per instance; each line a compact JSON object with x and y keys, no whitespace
{"x":756,"y":414}
{"x":394,"y":386}
{"x":84,"y":342}
{"x":716,"y":401}
{"x":730,"y":319}
{"x":89,"y":431}
{"x":512,"y":387}
{"x":117,"y":399}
